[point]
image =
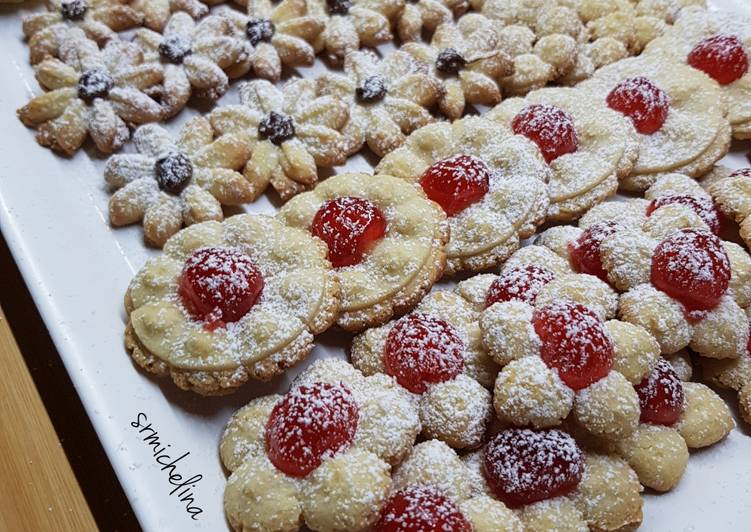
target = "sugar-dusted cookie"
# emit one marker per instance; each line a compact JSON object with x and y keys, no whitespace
{"x":467,"y":56}
{"x":156,"y":13}
{"x":227,"y":302}
{"x":318,"y":456}
{"x":92,"y":93}
{"x":420,"y":16}
{"x":716,"y":43}
{"x":678,"y":112}
{"x":169,"y":183}
{"x":490,"y":182}
{"x":98,"y":19}
{"x":385,"y":239}
{"x":731,"y":192}
{"x":679,"y":280}
{"x":388,"y":98}
{"x":436,"y":353}
{"x":282,"y":34}
{"x":292,"y":132}
{"x":196,"y":57}
{"x":588,"y":146}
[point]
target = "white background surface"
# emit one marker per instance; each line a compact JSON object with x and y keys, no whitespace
{"x":53,"y":213}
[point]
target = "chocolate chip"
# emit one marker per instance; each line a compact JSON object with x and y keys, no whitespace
{"x":174,"y":49}
{"x":259,"y":29}
{"x":173,"y":172}
{"x":372,"y":89}
{"x":276,"y":127}
{"x":73,"y":9}
{"x":339,"y":7}
{"x":450,"y":61}
{"x":94,"y":84}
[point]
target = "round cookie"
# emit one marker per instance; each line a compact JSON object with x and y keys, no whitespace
{"x":731,"y":192}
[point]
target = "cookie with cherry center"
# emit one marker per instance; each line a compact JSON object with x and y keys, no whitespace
{"x":731,"y":191}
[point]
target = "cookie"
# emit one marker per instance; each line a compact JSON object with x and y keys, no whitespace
{"x":731,"y":192}
{"x":588,"y":146}
{"x":92,"y":93}
{"x":678,"y":113}
{"x":287,"y":34}
{"x":490,"y":182}
{"x":320,"y":455}
{"x":436,"y":353}
{"x":467,"y":56}
{"x":196,"y":57}
{"x":156,"y":13}
{"x":169,"y":183}
{"x":420,"y":16}
{"x":292,"y":132}
{"x":228,"y":302}
{"x":716,"y":43}
{"x":388,"y":98}
{"x":385,"y":239}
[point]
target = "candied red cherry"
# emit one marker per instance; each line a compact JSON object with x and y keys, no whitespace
{"x":585,"y":250}
{"x":691,"y":266}
{"x":550,"y":127}
{"x":456,"y":183}
{"x":310,"y":423}
{"x":721,"y":57}
{"x":422,"y":350}
{"x":642,"y":101}
{"x":742,"y":172}
{"x":574,"y":342}
{"x":701,"y":206}
{"x":350,"y":227}
{"x":523,"y":466}
{"x":219,"y":285}
{"x":661,"y":395}
{"x":521,"y":283}
{"x":421,"y":509}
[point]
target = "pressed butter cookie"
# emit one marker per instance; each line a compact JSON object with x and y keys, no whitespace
{"x":731,"y":191}
{"x":491,"y":183}
{"x":420,"y":16}
{"x":385,"y":239}
{"x":92,"y":93}
{"x":291,"y":130}
{"x":156,"y":13}
{"x":318,"y":456}
{"x":388,"y":98}
{"x":436,"y":352}
{"x":227,"y":302}
{"x":678,"y":112}
{"x":588,"y":146}
{"x":169,"y":183}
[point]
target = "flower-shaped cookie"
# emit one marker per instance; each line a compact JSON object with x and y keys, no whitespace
{"x":99,"y":19}
{"x":588,"y":146}
{"x":731,"y":191}
{"x":718,"y":44}
{"x":678,"y":113}
{"x":426,"y":15}
{"x":92,"y":92}
{"x":321,"y":454}
{"x":291,"y":129}
{"x":491,"y":183}
{"x":681,"y":282}
{"x":436,"y":352}
{"x":229,"y":301}
{"x":195,"y":57}
{"x":156,"y":13}
{"x":170,"y":182}
{"x":468,"y":57}
{"x":388,"y":98}
{"x":286,"y":34}
{"x":385,"y":239}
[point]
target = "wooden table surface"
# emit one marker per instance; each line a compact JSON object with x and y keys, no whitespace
{"x":55,"y":475}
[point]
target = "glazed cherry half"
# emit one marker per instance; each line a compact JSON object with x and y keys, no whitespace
{"x":721,"y":57}
{"x":585,"y":250}
{"x":575,"y":342}
{"x":421,"y":509}
{"x":661,"y":395}
{"x":645,"y":103}
{"x":520,"y":283}
{"x":219,"y":285}
{"x":310,"y":423}
{"x":350,"y":227}
{"x":456,"y":183}
{"x":701,"y":206}
{"x":421,"y":350}
{"x":550,"y":127}
{"x":523,"y":466}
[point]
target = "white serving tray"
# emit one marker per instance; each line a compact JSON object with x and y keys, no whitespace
{"x":53,"y":214}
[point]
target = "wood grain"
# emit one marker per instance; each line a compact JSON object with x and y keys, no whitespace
{"x":38,"y":490}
